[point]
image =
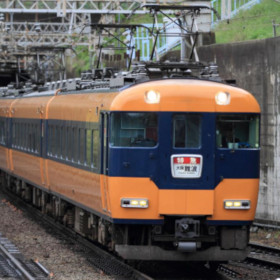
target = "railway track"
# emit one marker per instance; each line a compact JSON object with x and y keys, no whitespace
{"x":227,"y":273}
{"x":263,"y":262}
{"x":261,"y":257}
{"x":265,"y":256}
{"x":14,"y":266}
{"x":97,"y":256}
{"x":110,"y":264}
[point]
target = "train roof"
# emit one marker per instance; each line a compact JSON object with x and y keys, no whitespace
{"x":108,"y":79}
{"x":175,"y":95}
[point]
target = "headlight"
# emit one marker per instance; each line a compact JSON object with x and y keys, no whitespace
{"x":134,"y":202}
{"x":152,"y":97}
{"x":222,"y":98}
{"x":237,"y":204}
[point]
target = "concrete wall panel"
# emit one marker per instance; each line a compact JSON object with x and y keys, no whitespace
{"x":255,"y":65}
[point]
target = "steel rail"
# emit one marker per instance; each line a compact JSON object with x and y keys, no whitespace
{"x":264,"y":248}
{"x":16,"y":263}
{"x":75,"y":237}
{"x":266,"y":256}
{"x":263,"y":225}
{"x":268,"y":264}
{"x":222,"y":271}
{"x":227,"y":273}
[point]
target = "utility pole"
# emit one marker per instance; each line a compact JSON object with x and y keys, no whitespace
{"x":274,"y":25}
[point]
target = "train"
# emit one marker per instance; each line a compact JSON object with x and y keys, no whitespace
{"x":157,"y":166}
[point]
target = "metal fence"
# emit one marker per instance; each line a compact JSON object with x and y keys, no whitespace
{"x":144,"y":41}
{"x":229,"y":8}
{"x":225,"y":8}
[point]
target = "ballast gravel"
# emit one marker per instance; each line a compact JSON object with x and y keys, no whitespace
{"x":64,"y":259}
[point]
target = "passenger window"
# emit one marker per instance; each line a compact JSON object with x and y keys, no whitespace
{"x":18,"y":138}
{"x":237,"y":131}
{"x":95,"y":147}
{"x":186,"y":131}
{"x":69,"y":144}
{"x":14,"y":135}
{"x":34,"y":132}
{"x":82,"y":146}
{"x":89,"y":134}
{"x":3,"y":131}
{"x":63,"y":142}
{"x":134,"y":130}
{"x":30,"y":138}
{"x":58,"y":142}
{"x":21,"y":132}
{"x":75,"y":144}
{"x":25,"y":136}
{"x":49,"y":140}
{"x":53,"y":140}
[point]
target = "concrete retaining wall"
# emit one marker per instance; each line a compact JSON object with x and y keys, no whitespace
{"x":256,"y":67}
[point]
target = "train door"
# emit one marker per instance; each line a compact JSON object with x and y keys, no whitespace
{"x":104,"y":161}
{"x":189,"y":154}
{"x":192,"y":161}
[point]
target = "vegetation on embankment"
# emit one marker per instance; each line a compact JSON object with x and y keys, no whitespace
{"x":255,"y":23}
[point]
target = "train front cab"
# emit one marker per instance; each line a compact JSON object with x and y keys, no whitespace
{"x":183,"y":181}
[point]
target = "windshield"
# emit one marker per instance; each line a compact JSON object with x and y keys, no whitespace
{"x":134,"y":130}
{"x":237,"y":131}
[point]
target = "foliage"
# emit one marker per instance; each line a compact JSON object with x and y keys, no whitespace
{"x":252,"y":24}
{"x":81,"y":61}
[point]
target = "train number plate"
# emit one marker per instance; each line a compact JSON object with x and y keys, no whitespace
{"x":186,"y":166}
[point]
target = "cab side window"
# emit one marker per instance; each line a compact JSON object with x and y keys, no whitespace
{"x":237,"y":131}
